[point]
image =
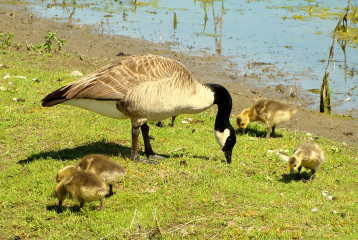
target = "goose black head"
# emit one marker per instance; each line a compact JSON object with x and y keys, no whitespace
{"x":227,"y":141}
{"x":224,"y":132}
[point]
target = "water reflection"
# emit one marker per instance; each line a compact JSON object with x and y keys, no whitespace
{"x":293,"y":36}
{"x":218,"y":20}
{"x":175,"y":22}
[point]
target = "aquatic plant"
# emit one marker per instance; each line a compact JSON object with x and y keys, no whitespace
{"x":51,"y":39}
{"x":325,"y":95}
{"x":5,"y":40}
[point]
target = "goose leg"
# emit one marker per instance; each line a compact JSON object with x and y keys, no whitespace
{"x":173,"y":119}
{"x":134,"y":150}
{"x":147,"y":147}
{"x":159,"y":124}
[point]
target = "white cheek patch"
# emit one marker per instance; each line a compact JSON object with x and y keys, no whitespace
{"x":222,"y":136}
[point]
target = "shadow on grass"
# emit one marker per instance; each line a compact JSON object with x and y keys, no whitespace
{"x":100,"y":147}
{"x":73,"y":209}
{"x":61,"y":209}
{"x":287,"y":178}
{"x":254,"y":132}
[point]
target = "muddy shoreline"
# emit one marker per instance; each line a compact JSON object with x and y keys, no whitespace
{"x":245,"y":88}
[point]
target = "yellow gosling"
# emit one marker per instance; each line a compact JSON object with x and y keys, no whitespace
{"x":83,"y":187}
{"x":308,"y":155}
{"x":268,"y":111}
{"x":104,"y":167}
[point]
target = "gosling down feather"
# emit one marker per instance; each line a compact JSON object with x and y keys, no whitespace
{"x":102,"y":166}
{"x":83,"y":187}
{"x":148,"y":88}
{"x":268,"y":111}
{"x":308,"y":155}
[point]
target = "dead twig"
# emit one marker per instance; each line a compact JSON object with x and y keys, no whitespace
{"x":108,"y":234}
{"x":178,"y":228}
{"x":158,"y":231}
{"x":135,"y":214}
{"x":175,"y":150}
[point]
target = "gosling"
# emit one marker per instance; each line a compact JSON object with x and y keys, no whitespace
{"x":268,"y":111}
{"x":83,"y":187}
{"x":308,"y":155}
{"x":108,"y":170}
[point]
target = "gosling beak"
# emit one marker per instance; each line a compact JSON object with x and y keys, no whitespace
{"x":228,"y":154}
{"x":243,"y":130}
{"x":292,"y":171}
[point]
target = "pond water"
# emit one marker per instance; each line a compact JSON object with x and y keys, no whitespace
{"x":292,"y":37}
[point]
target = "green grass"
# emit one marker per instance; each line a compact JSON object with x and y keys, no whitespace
{"x":207,"y":198}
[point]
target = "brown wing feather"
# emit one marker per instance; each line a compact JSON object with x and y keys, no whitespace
{"x":113,"y":81}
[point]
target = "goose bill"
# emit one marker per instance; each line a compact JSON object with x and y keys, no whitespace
{"x":228,"y":154}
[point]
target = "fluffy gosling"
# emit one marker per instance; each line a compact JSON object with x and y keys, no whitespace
{"x":308,"y":155}
{"x":83,"y":187}
{"x":101,"y":165}
{"x":268,"y":111}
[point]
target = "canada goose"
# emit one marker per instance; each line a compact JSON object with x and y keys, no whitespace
{"x":148,"y":88}
{"x":83,"y":187}
{"x":102,"y":166}
{"x":268,"y":111}
{"x":308,"y":155}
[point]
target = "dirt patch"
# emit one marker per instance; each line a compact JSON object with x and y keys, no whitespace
{"x":85,"y":42}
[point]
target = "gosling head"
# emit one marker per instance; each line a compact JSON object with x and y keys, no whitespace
{"x":294,"y":163}
{"x":64,"y":172}
{"x":227,"y":141}
{"x":61,"y":193}
{"x":242,"y":119}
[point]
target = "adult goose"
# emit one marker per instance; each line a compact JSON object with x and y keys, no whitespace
{"x":148,"y":88}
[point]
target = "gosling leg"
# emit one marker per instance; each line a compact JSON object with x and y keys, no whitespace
{"x":311,"y":177}
{"x":102,"y":204}
{"x":269,"y":129}
{"x":299,"y":172}
{"x":273,"y":131}
{"x":110,"y":189}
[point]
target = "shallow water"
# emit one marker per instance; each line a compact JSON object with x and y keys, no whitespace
{"x":285,"y":36}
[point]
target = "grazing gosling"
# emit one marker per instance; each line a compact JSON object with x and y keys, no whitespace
{"x":308,"y":155}
{"x":268,"y":111}
{"x":83,"y":187}
{"x":108,"y":170}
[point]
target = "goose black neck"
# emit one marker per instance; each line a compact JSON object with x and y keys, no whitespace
{"x":223,"y":99}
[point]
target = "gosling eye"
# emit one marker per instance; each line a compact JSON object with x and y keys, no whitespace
{"x":242,"y":124}
{"x":294,"y":165}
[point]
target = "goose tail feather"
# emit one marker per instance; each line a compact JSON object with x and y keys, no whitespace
{"x":56,"y":97}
